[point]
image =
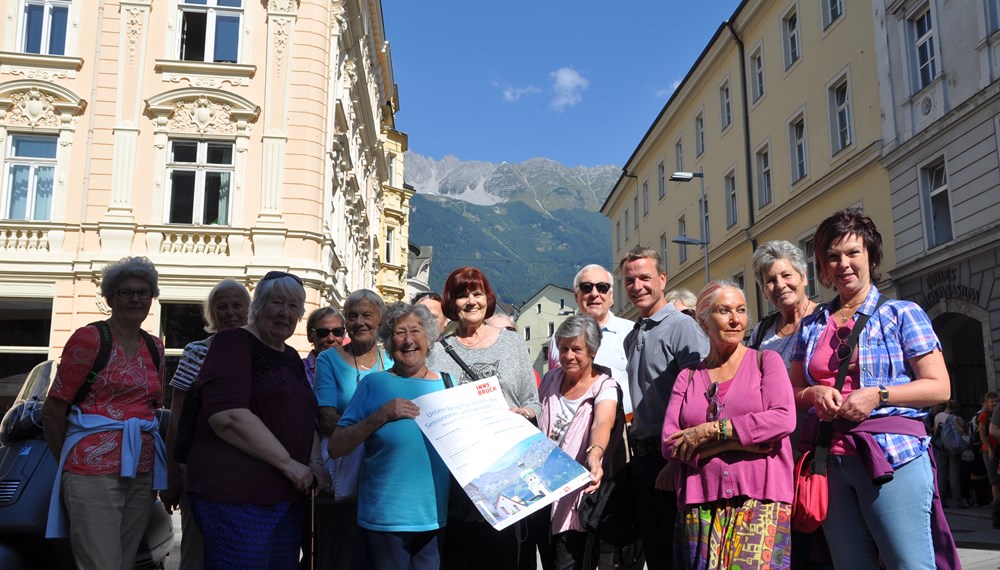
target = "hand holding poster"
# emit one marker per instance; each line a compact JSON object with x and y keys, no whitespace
{"x":506,"y":466}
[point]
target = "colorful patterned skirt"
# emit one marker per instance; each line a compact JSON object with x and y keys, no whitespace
{"x":740,"y":533}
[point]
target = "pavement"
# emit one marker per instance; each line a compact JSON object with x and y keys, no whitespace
{"x":978,"y":542}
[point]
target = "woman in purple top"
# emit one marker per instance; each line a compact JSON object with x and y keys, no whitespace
{"x":253,"y":459}
{"x":726,"y":432}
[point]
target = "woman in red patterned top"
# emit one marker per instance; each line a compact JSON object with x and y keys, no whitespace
{"x":108,"y":442}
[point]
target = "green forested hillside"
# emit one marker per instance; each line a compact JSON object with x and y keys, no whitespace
{"x":520,"y":249}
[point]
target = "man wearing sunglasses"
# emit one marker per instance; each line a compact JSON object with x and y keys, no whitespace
{"x":662,"y":343}
{"x":594,"y":297}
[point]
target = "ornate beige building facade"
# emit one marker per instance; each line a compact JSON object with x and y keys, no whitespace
{"x":219,"y":138}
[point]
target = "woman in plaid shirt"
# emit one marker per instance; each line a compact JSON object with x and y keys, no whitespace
{"x":896,"y":371}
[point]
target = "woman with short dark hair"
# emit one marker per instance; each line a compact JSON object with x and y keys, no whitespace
{"x":879,"y":473}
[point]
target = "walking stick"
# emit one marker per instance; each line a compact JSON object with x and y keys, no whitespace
{"x":312,"y":525}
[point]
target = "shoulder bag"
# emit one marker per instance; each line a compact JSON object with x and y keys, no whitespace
{"x":812,"y":499}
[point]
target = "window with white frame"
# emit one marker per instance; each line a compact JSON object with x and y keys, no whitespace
{"x":25,"y":328}
{"x":725,"y":105}
{"x":527,"y":333}
{"x":678,"y":157}
{"x":635,"y":208}
{"x":661,"y":180}
{"x":732,"y":212}
{"x":199,"y":175}
{"x":618,"y":233}
{"x":763,"y":177}
{"x":757,"y":74}
{"x":840,"y":115}
{"x":937,"y":203}
{"x":390,"y":239}
{"x":832,"y":11}
{"x":682,"y":251}
{"x":797,"y":145}
{"x":740,"y":280}
{"x":30,"y":167}
{"x":538,"y":308}
{"x":552,"y":328}
{"x":812,"y":277}
{"x":790,"y":37}
{"x":663,"y":248}
{"x":210,"y":30}
{"x":627,"y":230}
{"x":43,"y":27}
{"x":993,"y":15}
{"x":645,"y":197}
{"x":699,"y":134}
{"x":923,"y":46}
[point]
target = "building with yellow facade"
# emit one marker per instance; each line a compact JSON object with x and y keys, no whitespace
{"x":780,"y":113}
{"x":219,"y":138}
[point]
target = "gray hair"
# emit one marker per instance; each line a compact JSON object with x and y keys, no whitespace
{"x":368,"y":296}
{"x":139,"y":267}
{"x":584,"y":325}
{"x":321,"y":314}
{"x":400,"y":310}
{"x":224,"y":286}
{"x":769,"y":252}
{"x":591,"y":267}
{"x":288,"y":284}
{"x":706,"y":299}
{"x":686,"y":297}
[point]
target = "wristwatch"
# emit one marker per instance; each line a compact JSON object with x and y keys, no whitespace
{"x":883,"y":396}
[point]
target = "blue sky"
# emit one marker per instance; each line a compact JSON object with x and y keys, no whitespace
{"x":576,"y":82}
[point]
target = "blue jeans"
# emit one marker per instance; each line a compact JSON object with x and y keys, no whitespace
{"x":891,"y":520}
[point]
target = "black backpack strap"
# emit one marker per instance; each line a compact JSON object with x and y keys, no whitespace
{"x":458,"y":359}
{"x":100,"y":361}
{"x":154,"y":352}
{"x":765,"y":323}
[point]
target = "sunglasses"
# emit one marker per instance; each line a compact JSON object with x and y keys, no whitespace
{"x":323,"y":333}
{"x":278,"y":275}
{"x":129,"y":293}
{"x":426,"y":295}
{"x":586,"y":287}
{"x":715,"y":407}
{"x":844,"y":350}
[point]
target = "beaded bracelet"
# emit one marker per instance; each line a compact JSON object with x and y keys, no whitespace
{"x":722,"y":429}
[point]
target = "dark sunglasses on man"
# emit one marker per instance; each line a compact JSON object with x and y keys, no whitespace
{"x":586,"y":287}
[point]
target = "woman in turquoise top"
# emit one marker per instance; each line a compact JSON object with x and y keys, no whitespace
{"x":403,"y":498}
{"x":339,"y":370}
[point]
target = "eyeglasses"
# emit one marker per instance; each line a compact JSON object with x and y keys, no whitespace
{"x":323,"y":333}
{"x":715,"y":407}
{"x":586,"y":287}
{"x":279,"y":275}
{"x":844,"y":350}
{"x":689,"y":312}
{"x":511,"y":329}
{"x":129,"y":293}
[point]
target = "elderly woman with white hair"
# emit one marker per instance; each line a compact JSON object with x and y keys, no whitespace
{"x":251,"y":463}
{"x":727,"y":425}
{"x":780,"y":270}
{"x":579,"y":401}
{"x":403,"y":493}
{"x":226,"y":307}
{"x":102,"y":427}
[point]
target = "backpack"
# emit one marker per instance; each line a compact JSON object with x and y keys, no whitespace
{"x":104,"y":354}
{"x":974,"y":440}
{"x":955,"y":442}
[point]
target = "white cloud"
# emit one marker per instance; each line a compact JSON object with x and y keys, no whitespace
{"x":511,"y":93}
{"x":669,"y":90}
{"x":568,"y":86}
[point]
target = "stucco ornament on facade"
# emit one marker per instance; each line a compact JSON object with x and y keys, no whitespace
{"x":133,"y":25}
{"x":32,"y":109}
{"x":37,"y":73}
{"x":202,"y":116}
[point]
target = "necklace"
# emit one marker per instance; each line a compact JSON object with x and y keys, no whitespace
{"x":358,"y":368}
{"x":795,"y":323}
{"x":477,"y":339}
{"x":844,"y":317}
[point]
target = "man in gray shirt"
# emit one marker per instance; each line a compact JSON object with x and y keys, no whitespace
{"x":663,"y":342}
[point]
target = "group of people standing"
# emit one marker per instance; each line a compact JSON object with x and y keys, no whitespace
{"x":713,"y":408}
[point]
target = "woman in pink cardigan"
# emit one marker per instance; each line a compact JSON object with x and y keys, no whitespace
{"x":726,"y":432}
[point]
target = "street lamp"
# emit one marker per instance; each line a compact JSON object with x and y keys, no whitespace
{"x":703,"y":242}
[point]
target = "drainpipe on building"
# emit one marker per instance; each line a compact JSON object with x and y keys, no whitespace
{"x":747,"y":157}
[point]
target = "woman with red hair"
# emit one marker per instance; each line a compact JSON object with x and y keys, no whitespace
{"x":479,"y":351}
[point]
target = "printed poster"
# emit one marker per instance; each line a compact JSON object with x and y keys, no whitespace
{"x":506,"y":466}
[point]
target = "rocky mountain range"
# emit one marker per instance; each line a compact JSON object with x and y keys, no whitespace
{"x":524,"y":225}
